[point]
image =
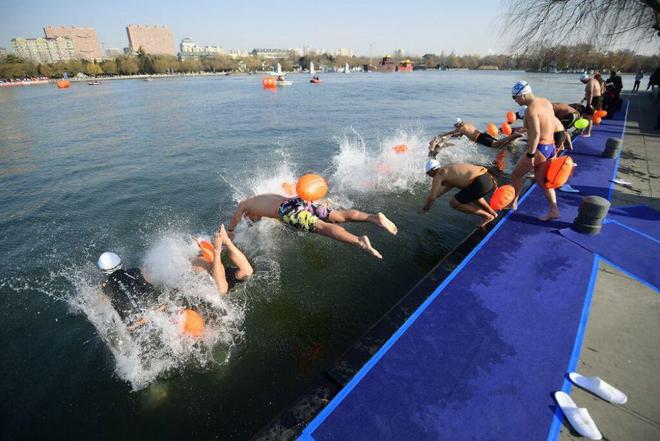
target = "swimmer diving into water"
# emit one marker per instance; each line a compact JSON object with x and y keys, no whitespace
{"x":311,"y":217}
{"x":470,"y":131}
{"x":474,"y":181}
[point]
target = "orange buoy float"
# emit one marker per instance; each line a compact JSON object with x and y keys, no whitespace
{"x":288,"y":188}
{"x":311,"y":187}
{"x":601,"y":113}
{"x":491,"y":129}
{"x":506,"y":129}
{"x":269,"y":82}
{"x":502,"y":197}
{"x":597,"y":120}
{"x":559,"y":170}
{"x":400,"y":148}
{"x":510,"y":117}
{"x":63,"y":84}
{"x":192,"y":323}
{"x":206,"y":250}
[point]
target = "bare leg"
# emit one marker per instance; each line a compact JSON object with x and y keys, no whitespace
{"x":504,"y":141}
{"x":236,"y":256}
{"x":518,"y":177}
{"x":541,"y":171}
{"x":340,"y":216}
{"x":472,"y":209}
{"x":481,"y":202}
{"x":339,"y":233}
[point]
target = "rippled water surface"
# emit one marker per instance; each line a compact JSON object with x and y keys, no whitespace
{"x":141,"y":167}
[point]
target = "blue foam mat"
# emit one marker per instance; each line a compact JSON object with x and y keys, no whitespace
{"x":636,"y":253}
{"x":639,"y":217}
{"x":481,"y":357}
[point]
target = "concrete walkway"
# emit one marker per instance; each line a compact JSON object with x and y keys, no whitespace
{"x":622,"y":339}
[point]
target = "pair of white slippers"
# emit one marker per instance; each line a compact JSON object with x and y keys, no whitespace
{"x":579,"y":417}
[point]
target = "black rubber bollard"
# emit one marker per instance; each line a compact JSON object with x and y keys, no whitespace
{"x":612,"y":147}
{"x":591,"y":213}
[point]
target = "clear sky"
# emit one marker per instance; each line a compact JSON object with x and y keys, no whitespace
{"x":416,"y":26}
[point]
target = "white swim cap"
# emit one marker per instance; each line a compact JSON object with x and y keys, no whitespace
{"x":521,"y":112}
{"x":458,"y":121}
{"x":109,"y":262}
{"x":584,"y":77}
{"x":431,"y":164}
{"x":520,"y":88}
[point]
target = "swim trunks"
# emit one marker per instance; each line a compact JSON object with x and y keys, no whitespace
{"x":596,"y":104}
{"x":302,"y":215}
{"x":478,"y":188}
{"x":547,"y":150}
{"x":485,"y":139}
{"x":569,"y":120}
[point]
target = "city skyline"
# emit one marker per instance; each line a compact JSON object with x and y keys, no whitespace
{"x":423,"y":27}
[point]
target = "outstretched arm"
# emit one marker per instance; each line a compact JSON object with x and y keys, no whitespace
{"x":237,"y":217}
{"x":437,"y":190}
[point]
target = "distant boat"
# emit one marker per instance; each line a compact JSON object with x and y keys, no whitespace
{"x":312,"y":71}
{"x":347,"y":69}
{"x":388,"y":65}
{"x":94,"y":83}
{"x":148,"y":79}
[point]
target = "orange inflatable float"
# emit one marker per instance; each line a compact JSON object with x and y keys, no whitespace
{"x":506,"y":129}
{"x":601,"y":113}
{"x":400,"y":148}
{"x":597,"y":120}
{"x":269,"y":83}
{"x":192,"y":323}
{"x":502,"y":197}
{"x":559,"y":171}
{"x":63,"y":84}
{"x":510,"y":117}
{"x":311,"y":187}
{"x":491,"y":129}
{"x":206,"y":250}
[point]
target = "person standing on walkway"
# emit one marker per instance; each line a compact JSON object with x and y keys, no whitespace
{"x":593,"y":98}
{"x":638,"y":80}
{"x":540,"y":122}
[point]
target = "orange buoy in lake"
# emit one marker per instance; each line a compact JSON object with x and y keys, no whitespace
{"x":192,"y":323}
{"x":506,"y":129}
{"x":400,"y":148}
{"x":63,"y":84}
{"x":311,"y":187}
{"x":510,"y":117}
{"x":206,"y":250}
{"x":269,"y":82}
{"x":502,"y":197}
{"x":491,"y":129}
{"x":559,"y":170}
{"x":289,"y":188}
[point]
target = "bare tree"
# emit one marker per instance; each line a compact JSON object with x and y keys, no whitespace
{"x":574,"y":21}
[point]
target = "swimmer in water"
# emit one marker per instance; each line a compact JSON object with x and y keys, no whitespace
{"x":312,"y":218}
{"x":540,"y":122}
{"x":470,"y":131}
{"x":225,"y":278}
{"x":474,"y":182}
{"x":128,"y":291}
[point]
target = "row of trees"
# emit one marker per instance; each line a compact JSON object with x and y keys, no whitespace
{"x":542,"y":57}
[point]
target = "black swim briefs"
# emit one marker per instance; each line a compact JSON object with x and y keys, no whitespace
{"x":485,"y":139}
{"x":560,"y":137}
{"x":569,"y":120}
{"x":478,"y":188}
{"x":596,"y":104}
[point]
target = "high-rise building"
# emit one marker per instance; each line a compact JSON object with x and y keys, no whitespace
{"x":153,"y":39}
{"x":44,"y":50}
{"x":272,"y":53}
{"x":345,"y":52}
{"x":84,"y":40}
{"x":3,"y":53}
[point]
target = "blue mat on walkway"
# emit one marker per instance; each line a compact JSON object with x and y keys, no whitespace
{"x":633,"y":252}
{"x":639,"y":217}
{"x":480,"y":359}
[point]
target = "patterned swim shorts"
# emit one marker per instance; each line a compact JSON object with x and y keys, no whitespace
{"x":302,"y":215}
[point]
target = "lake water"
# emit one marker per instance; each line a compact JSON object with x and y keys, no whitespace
{"x":140,"y":168}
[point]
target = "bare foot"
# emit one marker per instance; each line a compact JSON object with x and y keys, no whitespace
{"x":223,"y":234}
{"x":366,"y":246}
{"x":486,"y":221}
{"x":384,"y":222}
{"x":552,"y":214}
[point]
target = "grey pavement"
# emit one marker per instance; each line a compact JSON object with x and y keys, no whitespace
{"x":622,"y":339}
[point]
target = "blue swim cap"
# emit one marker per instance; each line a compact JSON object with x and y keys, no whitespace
{"x":520,"y":88}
